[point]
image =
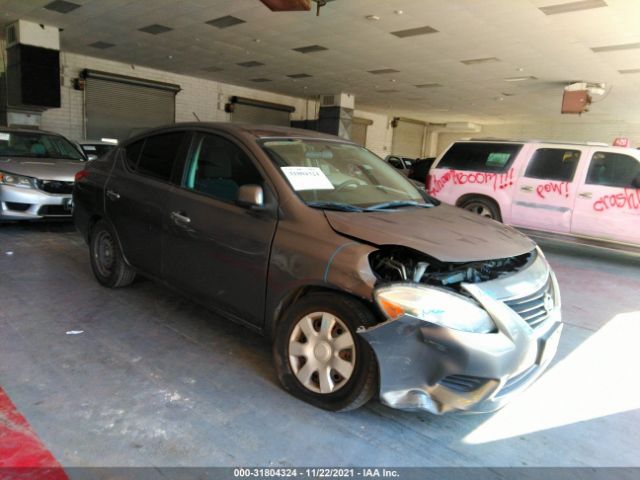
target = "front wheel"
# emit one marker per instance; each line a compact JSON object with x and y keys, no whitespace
{"x":319,"y":356}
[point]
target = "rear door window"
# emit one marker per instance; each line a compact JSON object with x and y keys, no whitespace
{"x":480,"y":157}
{"x":612,"y":169}
{"x":159,"y":154}
{"x":558,"y":164}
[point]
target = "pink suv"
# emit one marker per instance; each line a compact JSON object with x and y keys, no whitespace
{"x":590,"y":191}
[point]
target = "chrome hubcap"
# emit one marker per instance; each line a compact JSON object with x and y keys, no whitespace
{"x":322,"y":352}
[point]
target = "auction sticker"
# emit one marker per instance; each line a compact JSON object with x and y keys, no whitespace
{"x":307,"y":178}
{"x":4,"y":137}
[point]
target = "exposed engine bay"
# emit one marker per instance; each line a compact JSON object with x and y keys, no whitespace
{"x":397,"y":263}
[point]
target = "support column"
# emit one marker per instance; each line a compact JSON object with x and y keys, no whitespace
{"x":335,"y":115}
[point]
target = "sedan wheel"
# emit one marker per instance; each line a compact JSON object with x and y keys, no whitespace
{"x":318,"y":354}
{"x":322,"y":352}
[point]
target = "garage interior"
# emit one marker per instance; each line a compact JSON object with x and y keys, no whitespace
{"x":142,"y":377}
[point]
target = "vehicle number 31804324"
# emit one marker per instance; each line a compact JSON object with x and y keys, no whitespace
{"x":315,"y":472}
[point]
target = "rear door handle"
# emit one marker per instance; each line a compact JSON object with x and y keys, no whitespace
{"x":586,"y":194}
{"x":526,"y":189}
{"x":180,"y":218}
{"x":113,"y":195}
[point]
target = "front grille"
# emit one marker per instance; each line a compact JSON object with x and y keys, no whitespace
{"x":17,"y":207}
{"x":54,"y":211}
{"x":462,"y":383}
{"x":514,"y":382}
{"x":533,"y":308}
{"x":55,"y":186}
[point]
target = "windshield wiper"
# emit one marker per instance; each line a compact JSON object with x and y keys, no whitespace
{"x":397,"y":204}
{"x":341,"y":207}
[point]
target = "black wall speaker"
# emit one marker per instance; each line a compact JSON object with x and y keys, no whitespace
{"x":33,"y":77}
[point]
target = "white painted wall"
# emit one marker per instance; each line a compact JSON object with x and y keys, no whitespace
{"x":565,"y":131}
{"x":379,"y":133}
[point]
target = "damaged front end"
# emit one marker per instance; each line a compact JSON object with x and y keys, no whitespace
{"x":461,"y":336}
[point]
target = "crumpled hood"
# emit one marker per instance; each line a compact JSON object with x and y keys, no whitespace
{"x":444,"y":232}
{"x":42,"y":168}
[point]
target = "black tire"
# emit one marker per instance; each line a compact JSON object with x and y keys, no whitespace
{"x":107,"y":261}
{"x":482,"y":206}
{"x":363,"y":382}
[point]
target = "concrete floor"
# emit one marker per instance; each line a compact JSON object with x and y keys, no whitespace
{"x":157,"y":380}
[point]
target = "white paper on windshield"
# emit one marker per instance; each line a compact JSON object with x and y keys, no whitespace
{"x":307,"y":178}
{"x":4,"y":136}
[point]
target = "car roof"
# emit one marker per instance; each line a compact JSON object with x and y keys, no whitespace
{"x":257,"y":131}
{"x":536,"y":141}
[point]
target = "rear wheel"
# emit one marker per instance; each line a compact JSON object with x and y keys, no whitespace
{"x":319,"y":356}
{"x":107,"y":261}
{"x":483,"y":207}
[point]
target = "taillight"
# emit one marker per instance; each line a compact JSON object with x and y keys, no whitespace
{"x":427,"y":183}
{"x":80,"y":175}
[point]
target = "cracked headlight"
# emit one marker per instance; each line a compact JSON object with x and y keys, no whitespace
{"x":15,"y":180}
{"x":435,"y":306}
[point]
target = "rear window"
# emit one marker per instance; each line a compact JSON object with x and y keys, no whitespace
{"x":480,"y":157}
{"x":557,"y":164}
{"x":159,"y":154}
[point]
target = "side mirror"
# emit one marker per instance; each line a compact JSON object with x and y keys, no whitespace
{"x":91,"y":157}
{"x":250,"y":196}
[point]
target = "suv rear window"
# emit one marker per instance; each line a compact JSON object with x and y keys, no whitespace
{"x":480,"y":157}
{"x":557,"y":164}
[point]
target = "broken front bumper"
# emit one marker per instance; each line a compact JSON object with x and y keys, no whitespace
{"x":424,"y":366}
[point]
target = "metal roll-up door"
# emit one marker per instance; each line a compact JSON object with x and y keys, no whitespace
{"x":246,"y":110}
{"x":359,"y":130}
{"x":119,"y":107}
{"x":408,"y":138}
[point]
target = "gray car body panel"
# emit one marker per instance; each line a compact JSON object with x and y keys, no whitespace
{"x":444,"y":232}
{"x":316,"y":249}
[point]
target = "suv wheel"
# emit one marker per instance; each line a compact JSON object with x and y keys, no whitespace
{"x":483,"y":207}
{"x":319,"y":356}
{"x":107,"y":261}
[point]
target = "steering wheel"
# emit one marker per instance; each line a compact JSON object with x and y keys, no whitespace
{"x":346,"y":183}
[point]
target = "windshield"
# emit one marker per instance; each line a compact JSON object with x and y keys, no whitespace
{"x":37,"y":145}
{"x":326,"y":173}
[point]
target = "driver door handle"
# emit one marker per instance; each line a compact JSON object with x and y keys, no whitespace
{"x":586,"y":194}
{"x":527,"y":188}
{"x":113,"y":195}
{"x":180,"y":218}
